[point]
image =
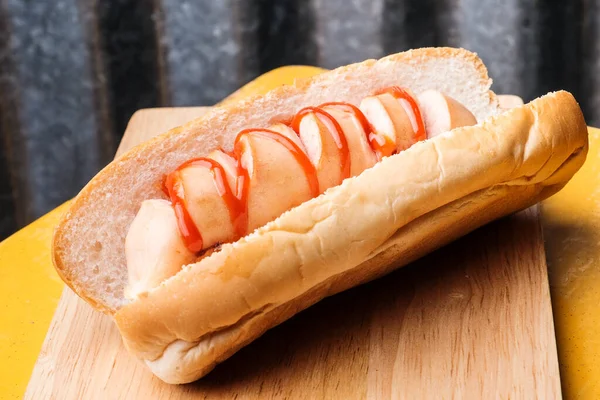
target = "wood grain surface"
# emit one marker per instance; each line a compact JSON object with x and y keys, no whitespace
{"x":471,"y":320}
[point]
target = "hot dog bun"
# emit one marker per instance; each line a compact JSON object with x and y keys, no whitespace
{"x":393,"y":213}
{"x":398,"y":210}
{"x":89,"y":241}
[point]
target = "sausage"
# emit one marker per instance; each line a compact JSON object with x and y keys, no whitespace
{"x":205,"y":205}
{"x":154,"y":249}
{"x":361,"y":154}
{"x":273,"y":170}
{"x":276,"y":179}
{"x":442,"y":113}
{"x":392,"y":120}
{"x":315,"y":132}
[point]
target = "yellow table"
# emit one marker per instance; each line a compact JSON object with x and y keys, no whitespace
{"x":31,"y":289}
{"x":571,"y":221}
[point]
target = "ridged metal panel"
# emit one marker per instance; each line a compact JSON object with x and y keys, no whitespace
{"x":49,"y":108}
{"x":348,"y":31}
{"x":72,"y":72}
{"x":202,"y":50}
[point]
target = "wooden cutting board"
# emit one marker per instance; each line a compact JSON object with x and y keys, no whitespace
{"x":472,"y":320}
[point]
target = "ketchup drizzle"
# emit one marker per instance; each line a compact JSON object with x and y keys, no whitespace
{"x":401,"y":94}
{"x":187,"y":228}
{"x":243,"y":187}
{"x":300,"y":156}
{"x":387,"y":148}
{"x":338,"y":134}
{"x":237,"y":202}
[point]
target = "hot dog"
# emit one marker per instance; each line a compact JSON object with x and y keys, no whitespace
{"x":200,"y":240}
{"x":221,"y":198}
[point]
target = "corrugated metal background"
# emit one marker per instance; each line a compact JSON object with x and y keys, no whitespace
{"x":72,"y":72}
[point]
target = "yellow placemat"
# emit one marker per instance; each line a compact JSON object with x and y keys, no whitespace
{"x":571,"y":220}
{"x":29,"y":293}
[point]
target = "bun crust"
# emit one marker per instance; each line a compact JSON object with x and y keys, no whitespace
{"x":391,"y":214}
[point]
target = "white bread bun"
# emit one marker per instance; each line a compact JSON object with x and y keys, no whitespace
{"x":89,"y":251}
{"x":391,"y":214}
{"x":402,"y":208}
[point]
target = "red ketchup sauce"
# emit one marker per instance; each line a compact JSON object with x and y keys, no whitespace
{"x":187,"y":228}
{"x":381,"y":145}
{"x":236,"y":199}
{"x":401,"y":94}
{"x":243,"y":187}
{"x":338,"y":135}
